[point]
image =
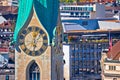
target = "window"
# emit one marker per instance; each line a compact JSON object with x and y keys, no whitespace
{"x":82,"y":13}
{"x":10,"y":30}
{"x":112,"y":67}
{"x":64,"y":61}
{"x":7,"y":77}
{"x":114,"y":78}
{"x":79,"y":8}
{"x":77,"y":14}
{"x":71,"y":13}
{"x":1,"y":30}
{"x":5,"y":30}
{"x":34,"y":72}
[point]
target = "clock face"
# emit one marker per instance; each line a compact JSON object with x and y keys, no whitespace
{"x":33,"y":41}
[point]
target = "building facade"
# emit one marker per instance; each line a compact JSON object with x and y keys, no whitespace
{"x":82,"y":59}
{"x":92,"y":11}
{"x":110,"y":63}
{"x":111,"y":69}
{"x":13,"y":2}
{"x":7,"y":64}
{"x":9,"y":2}
{"x":99,"y":1}
{"x":83,"y":42}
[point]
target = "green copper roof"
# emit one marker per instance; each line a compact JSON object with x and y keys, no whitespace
{"x":25,"y":8}
{"x":46,"y":10}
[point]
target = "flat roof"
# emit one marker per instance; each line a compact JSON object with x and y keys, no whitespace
{"x":109,"y":25}
{"x":74,"y":26}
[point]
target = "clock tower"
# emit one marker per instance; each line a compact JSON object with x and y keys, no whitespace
{"x":37,"y":28}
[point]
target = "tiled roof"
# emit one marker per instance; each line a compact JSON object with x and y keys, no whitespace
{"x":112,"y":8}
{"x":4,"y":49}
{"x":114,"y":53}
{"x":6,"y":24}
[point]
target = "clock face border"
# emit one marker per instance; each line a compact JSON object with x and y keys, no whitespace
{"x":24,"y":33}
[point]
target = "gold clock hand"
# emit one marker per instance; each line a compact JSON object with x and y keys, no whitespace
{"x":40,"y":36}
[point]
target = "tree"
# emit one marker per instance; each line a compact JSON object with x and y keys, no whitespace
{"x":62,"y":1}
{"x":67,"y":1}
{"x":77,"y":1}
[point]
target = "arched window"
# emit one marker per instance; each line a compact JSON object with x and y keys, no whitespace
{"x":34,"y":72}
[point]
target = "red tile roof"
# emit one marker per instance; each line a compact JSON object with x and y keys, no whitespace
{"x":114,"y":53}
{"x":112,"y":8}
{"x":6,"y":24}
{"x":4,"y":50}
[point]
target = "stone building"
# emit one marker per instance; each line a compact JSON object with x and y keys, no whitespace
{"x":38,"y":37}
{"x":110,"y":63}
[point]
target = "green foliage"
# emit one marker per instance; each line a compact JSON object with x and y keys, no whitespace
{"x":62,"y":1}
{"x":67,"y":1}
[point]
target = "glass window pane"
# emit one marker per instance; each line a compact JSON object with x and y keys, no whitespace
{"x":38,"y":76}
{"x":34,"y":72}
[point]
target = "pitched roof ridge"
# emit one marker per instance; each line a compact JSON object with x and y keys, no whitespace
{"x":114,"y":52}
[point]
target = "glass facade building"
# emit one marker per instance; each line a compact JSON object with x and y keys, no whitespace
{"x":76,"y":11}
{"x":85,"y":59}
{"x":85,"y":53}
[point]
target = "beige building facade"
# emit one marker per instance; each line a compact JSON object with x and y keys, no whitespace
{"x":110,"y":63}
{"x":110,"y":69}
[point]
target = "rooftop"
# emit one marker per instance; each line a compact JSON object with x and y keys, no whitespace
{"x":114,"y":53}
{"x":90,"y":25}
{"x":111,"y":24}
{"x":2,"y":19}
{"x":72,"y":26}
{"x":5,"y":24}
{"x":2,"y":50}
